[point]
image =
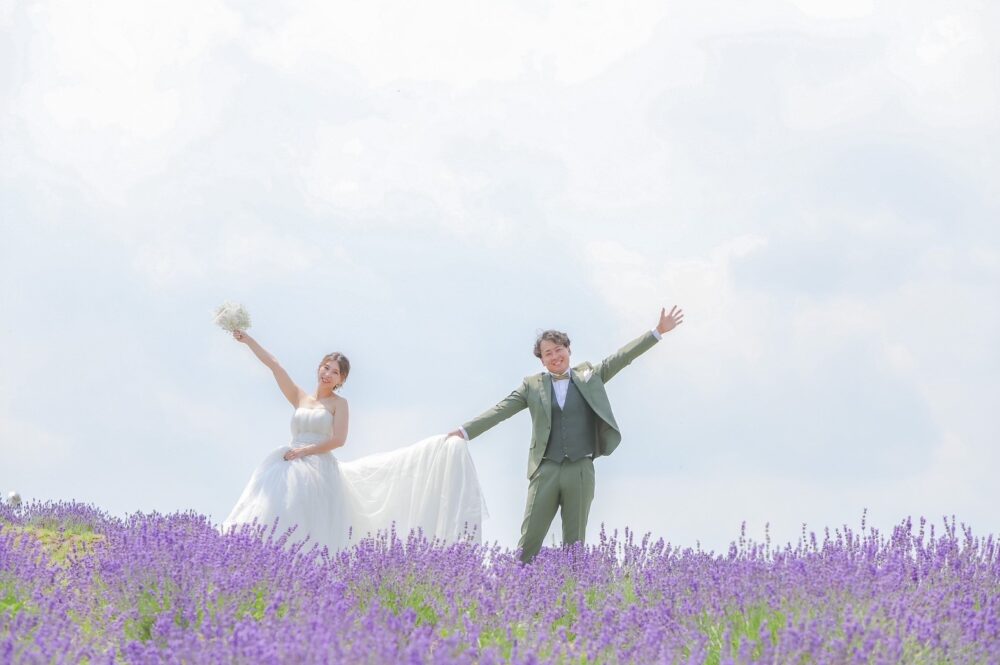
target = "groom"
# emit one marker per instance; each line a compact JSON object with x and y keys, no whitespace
{"x":571,"y":423}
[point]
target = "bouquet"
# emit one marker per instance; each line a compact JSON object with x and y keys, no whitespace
{"x":232,"y":316}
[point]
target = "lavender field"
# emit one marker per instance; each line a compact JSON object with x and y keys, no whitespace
{"x":79,"y":586}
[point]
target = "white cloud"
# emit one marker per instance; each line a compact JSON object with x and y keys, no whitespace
{"x":248,"y":249}
{"x":460,"y":43}
{"x":721,"y":327}
{"x":382,"y":172}
{"x":166,"y":265}
{"x":24,"y":444}
{"x":260,"y":251}
{"x":948,"y":66}
{"x":828,"y":354}
{"x":835,"y":9}
{"x":115,"y":89}
{"x":7,"y":9}
{"x":820,"y":105}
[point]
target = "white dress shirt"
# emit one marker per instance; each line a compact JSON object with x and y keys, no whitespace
{"x":560,"y":388}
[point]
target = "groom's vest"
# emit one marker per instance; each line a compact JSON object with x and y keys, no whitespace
{"x":574,"y":428}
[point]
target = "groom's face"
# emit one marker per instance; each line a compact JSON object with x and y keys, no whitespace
{"x":555,"y":357}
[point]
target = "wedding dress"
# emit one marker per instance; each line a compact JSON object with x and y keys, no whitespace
{"x":430,"y":485}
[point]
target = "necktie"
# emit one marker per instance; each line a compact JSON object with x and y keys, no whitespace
{"x":560,"y":377}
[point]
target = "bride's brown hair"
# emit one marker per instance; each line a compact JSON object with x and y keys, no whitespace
{"x":342,"y":362}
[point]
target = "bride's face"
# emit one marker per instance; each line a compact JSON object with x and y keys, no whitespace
{"x":329,"y":374}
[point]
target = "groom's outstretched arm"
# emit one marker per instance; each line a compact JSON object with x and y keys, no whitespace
{"x":513,"y":403}
{"x":625,"y":355}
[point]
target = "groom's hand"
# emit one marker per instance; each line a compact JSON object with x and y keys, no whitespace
{"x":669,"y":321}
{"x":455,"y":432}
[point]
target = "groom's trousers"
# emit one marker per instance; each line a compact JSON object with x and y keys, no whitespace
{"x":566,"y":485}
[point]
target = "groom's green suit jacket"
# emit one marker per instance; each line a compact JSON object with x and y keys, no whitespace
{"x":535,"y":394}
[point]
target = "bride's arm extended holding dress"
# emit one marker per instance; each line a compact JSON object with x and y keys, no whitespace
{"x":292,"y":392}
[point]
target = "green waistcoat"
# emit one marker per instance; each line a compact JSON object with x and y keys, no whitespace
{"x":574,"y":428}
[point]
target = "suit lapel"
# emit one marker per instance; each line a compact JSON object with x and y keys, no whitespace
{"x":581,"y":385}
{"x":595,"y":401}
{"x":546,"y":395}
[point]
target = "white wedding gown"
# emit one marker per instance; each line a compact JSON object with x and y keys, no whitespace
{"x":430,"y":485}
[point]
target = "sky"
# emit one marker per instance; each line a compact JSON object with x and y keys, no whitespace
{"x":424,"y":186}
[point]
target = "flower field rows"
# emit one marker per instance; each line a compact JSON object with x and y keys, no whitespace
{"x":77,"y":585}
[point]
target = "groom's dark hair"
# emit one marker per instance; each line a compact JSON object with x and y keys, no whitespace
{"x":554,"y":336}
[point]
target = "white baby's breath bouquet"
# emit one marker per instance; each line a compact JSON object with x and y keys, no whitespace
{"x":232,"y":316}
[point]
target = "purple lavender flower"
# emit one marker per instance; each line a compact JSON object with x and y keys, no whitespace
{"x":77,"y":584}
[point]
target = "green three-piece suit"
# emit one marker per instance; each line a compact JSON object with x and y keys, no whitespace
{"x":564,"y":442}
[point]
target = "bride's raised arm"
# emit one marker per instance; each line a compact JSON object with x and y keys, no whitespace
{"x":292,"y":392}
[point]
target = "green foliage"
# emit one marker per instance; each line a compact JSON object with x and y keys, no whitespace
{"x":570,"y":611}
{"x":742,"y":624}
{"x":503,"y":638}
{"x":58,"y":542}
{"x":64,"y":525}
{"x":149,"y":605}
{"x":418,"y":596}
{"x":11,"y":601}
{"x":629,"y":595}
{"x":255,"y":605}
{"x":258,"y":606}
{"x":154,"y":600}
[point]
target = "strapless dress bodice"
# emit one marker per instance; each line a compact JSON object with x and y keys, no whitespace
{"x":311,"y":426}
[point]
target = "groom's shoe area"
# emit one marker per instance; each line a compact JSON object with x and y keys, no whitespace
{"x":572,"y":424}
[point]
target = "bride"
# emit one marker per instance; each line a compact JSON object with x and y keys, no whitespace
{"x":430,"y":485}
